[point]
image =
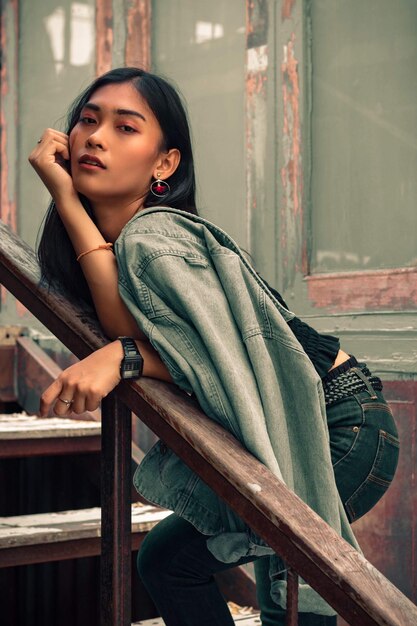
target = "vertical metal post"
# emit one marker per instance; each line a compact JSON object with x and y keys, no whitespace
{"x":115,"y":569}
{"x":291,"y":618}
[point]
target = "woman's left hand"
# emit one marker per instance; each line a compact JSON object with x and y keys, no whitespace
{"x":84,"y":384}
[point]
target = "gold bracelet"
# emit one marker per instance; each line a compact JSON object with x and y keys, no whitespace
{"x":103,"y":246}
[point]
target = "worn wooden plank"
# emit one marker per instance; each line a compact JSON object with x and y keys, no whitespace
{"x":24,"y":435}
{"x":58,"y":551}
{"x":21,"y":426}
{"x":24,"y":530}
{"x":341,"y":575}
{"x":241,"y":620}
{"x":25,"y":448}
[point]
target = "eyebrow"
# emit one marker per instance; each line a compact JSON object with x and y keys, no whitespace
{"x":95,"y":107}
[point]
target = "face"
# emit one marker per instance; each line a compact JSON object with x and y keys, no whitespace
{"x":115,"y":146}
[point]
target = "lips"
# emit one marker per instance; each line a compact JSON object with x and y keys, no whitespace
{"x":89,"y":159}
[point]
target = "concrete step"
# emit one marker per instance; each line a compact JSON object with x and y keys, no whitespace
{"x":23,"y":435}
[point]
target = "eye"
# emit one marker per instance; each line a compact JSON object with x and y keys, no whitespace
{"x":127,"y":129}
{"x":87,"y":120}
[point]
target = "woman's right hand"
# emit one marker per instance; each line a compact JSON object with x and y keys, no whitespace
{"x":82,"y":386}
{"x":49,"y":159}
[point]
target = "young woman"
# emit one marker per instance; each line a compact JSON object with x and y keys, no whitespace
{"x":127,"y":148}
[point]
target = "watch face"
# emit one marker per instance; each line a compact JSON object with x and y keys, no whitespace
{"x":132,"y":363}
{"x":131,"y":367}
{"x":133,"y":373}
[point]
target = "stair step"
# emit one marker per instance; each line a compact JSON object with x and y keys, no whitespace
{"x":29,"y":435}
{"x":46,"y":537}
{"x":242,"y":620}
{"x":22,"y":426}
{"x":65,"y":525}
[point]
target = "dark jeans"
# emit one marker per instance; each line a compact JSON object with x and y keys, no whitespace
{"x":177,"y":568}
{"x":364,"y":448}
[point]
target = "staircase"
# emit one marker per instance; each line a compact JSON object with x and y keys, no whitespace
{"x":28,"y":540}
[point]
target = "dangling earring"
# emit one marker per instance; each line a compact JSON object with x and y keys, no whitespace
{"x":160,"y":188}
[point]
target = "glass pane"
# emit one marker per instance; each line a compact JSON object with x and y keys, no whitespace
{"x":56,"y":59}
{"x":201,"y":46}
{"x":364,"y":134}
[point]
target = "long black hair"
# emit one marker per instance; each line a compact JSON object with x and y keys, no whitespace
{"x":55,"y":252}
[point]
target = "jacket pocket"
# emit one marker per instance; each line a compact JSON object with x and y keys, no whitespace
{"x":167,"y":281}
{"x":378,"y":479}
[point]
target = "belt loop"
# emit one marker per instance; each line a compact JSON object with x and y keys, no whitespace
{"x":368,"y":385}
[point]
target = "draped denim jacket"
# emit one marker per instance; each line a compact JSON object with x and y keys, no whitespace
{"x":224,"y":337}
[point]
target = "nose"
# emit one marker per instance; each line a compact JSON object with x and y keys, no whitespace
{"x":95,"y":140}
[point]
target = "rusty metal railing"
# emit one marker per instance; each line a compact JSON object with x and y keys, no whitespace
{"x":345,"y":579}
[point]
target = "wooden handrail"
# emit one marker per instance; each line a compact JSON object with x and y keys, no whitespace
{"x":357,"y":590}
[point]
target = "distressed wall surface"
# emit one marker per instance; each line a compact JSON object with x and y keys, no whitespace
{"x":201,"y":47}
{"x":347,"y":252}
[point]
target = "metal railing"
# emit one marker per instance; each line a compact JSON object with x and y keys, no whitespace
{"x":342,"y":576}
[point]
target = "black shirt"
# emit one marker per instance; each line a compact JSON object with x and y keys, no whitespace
{"x":321,"y":349}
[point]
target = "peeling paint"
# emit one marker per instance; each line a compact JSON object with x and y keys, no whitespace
{"x":138,"y":41}
{"x":286,"y":9}
{"x":256,"y":119}
{"x":255,"y":488}
{"x":379,"y":290}
{"x":257,"y":59}
{"x":8,"y":114}
{"x":290,"y":171}
{"x":256,"y":23}
{"x":256,"y":132}
{"x":291,"y":126}
{"x":104,"y":36}
{"x":8,"y":119}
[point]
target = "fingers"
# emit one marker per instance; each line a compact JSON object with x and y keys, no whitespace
{"x":53,"y":133}
{"x":49,"y":396}
{"x":51,"y":142}
{"x":49,"y":159}
{"x":64,"y":403}
{"x":64,"y":399}
{"x":82,"y":386}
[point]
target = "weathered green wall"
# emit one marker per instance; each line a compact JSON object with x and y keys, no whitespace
{"x":200,"y":45}
{"x":304,"y":124}
{"x":364,"y":134}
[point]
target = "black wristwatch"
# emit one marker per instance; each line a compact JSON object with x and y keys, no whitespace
{"x":131,"y":366}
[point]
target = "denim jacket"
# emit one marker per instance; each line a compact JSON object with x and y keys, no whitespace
{"x":224,"y":337}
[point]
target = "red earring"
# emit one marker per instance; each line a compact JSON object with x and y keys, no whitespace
{"x":160,"y":188}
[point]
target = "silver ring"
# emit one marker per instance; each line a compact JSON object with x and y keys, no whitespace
{"x":39,"y":140}
{"x":67,"y":402}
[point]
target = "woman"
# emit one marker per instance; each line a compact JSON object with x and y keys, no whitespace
{"x":127,"y":148}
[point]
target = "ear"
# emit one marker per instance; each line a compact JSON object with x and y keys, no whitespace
{"x":167,"y":163}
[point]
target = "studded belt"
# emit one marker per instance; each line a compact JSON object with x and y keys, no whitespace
{"x":353,"y":378}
